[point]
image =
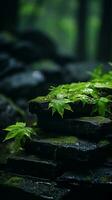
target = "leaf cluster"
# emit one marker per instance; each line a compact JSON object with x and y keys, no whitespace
{"x":18,"y":132}
{"x":61,"y":97}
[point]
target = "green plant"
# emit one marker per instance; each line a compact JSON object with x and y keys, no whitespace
{"x":18,"y":132}
{"x":93,"y":92}
{"x":97,"y":72}
{"x":61,"y":97}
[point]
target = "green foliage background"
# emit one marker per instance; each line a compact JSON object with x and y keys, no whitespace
{"x":58,"y":18}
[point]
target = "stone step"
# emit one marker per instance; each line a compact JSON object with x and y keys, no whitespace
{"x":99,"y":178}
{"x":69,"y":149}
{"x":88,"y":184}
{"x":29,"y":188}
{"x":42,"y":111}
{"x":32,"y":165}
{"x":91,"y":128}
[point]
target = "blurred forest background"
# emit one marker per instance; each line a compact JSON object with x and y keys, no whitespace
{"x":81,"y":28}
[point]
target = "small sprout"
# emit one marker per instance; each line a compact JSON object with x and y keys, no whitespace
{"x":97,"y":72}
{"x":19,"y":132}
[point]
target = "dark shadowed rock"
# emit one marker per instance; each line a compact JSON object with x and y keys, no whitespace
{"x":31,"y":188}
{"x":64,"y":59}
{"x":76,"y":72}
{"x":69,"y":148}
{"x":25,"y":51}
{"x":97,"y":177}
{"x":23,"y":84}
{"x":93,"y":128}
{"x":9,"y":66}
{"x":32,"y":165}
{"x":41,"y":109}
{"x":44,"y":44}
{"x":51,"y":71}
{"x":91,"y":184}
{"x":5,"y":44}
{"x":9,"y":112}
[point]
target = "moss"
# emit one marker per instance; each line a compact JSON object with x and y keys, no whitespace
{"x":106,"y":179}
{"x":104,"y":142}
{"x":88,"y":178}
{"x":14,"y":181}
{"x":96,"y":120}
{"x":41,"y":99}
{"x":63,"y":140}
{"x":103,"y":85}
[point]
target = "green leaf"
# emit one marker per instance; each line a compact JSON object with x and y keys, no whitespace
{"x":97,"y":72}
{"x":10,"y":135}
{"x":59,"y":105}
{"x":102,"y":105}
{"x":18,"y":132}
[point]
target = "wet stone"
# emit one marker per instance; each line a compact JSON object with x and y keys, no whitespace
{"x":81,"y":71}
{"x":5,"y":44}
{"x":83,"y":185}
{"x":34,"y":166}
{"x":55,"y":123}
{"x":41,"y":109}
{"x":45,"y":46}
{"x":9,"y":66}
{"x":33,"y":187}
{"x":25,"y":51}
{"x":92,"y":128}
{"x":69,"y":148}
{"x":53,"y":74}
{"x":99,"y":177}
{"x":9,"y":112}
{"x":23,"y":84}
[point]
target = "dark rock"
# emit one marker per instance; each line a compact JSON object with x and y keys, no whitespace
{"x":4,"y":58}
{"x":9,"y":112}
{"x":25,"y":52}
{"x":9,"y":66}
{"x":51,"y":71}
{"x":96,"y":177}
{"x":32,"y":165}
{"x":23,"y":84}
{"x":76,"y":72}
{"x":93,"y":128}
{"x":92,"y":184}
{"x":30,"y":187}
{"x":6,"y":44}
{"x":64,"y":59}
{"x":43,"y":113}
{"x":45,"y":45}
{"x":53,"y":76}
{"x":69,"y":149}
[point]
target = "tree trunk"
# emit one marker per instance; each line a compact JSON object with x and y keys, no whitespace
{"x":8,"y":15}
{"x":82,"y":19}
{"x":105,"y":35}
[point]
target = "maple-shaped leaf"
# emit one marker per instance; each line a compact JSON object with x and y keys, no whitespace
{"x":18,"y":132}
{"x":60,"y":105}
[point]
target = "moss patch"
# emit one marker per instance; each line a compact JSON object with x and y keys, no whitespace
{"x":103,"y":142}
{"x":14,"y":181}
{"x":98,"y":120}
{"x":63,"y":140}
{"x":106,"y":179}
